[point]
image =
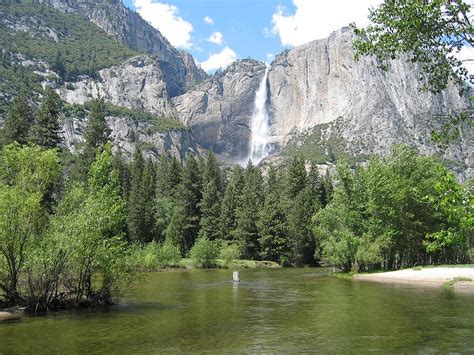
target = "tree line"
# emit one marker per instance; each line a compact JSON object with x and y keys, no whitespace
{"x":71,"y":226}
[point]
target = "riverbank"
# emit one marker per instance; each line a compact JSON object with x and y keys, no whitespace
{"x":187,"y":264}
{"x":458,"y":278}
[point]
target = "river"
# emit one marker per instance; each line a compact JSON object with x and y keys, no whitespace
{"x":277,"y":311}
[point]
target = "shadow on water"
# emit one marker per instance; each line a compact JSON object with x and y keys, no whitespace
{"x":284,"y":310}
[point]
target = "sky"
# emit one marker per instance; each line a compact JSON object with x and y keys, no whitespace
{"x":217,"y":32}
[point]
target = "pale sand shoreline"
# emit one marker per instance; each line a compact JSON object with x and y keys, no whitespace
{"x":437,"y":276}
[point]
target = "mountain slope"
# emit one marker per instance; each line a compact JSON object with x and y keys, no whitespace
{"x":179,"y":69}
{"x":325,"y":105}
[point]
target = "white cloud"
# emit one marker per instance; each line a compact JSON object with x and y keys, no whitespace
{"x":166,"y":19}
{"x":466,"y":55}
{"x":216,"y":37}
{"x":270,"y":56}
{"x":317,"y":19}
{"x":219,"y":60}
{"x":208,"y":20}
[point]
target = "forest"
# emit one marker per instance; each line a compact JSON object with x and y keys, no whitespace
{"x":75,"y":229}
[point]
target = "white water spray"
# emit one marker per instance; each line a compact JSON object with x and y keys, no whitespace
{"x":260,"y":129}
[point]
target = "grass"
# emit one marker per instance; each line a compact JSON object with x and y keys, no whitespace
{"x":451,"y":283}
{"x":187,"y":263}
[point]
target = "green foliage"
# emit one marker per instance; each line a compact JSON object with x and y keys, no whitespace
{"x":248,"y":210}
{"x":46,"y":131}
{"x":230,"y":202}
{"x":68,"y":42}
{"x":427,"y":32}
{"x":140,"y":214}
{"x":272,"y":224}
{"x":228,"y":252}
{"x":26,"y":177}
{"x":397,"y":211}
{"x":204,"y":252}
{"x":190,"y":195}
{"x":211,"y":199}
{"x":169,"y":255}
{"x":18,"y":121}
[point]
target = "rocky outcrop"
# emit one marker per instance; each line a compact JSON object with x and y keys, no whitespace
{"x":355,"y":106}
{"x":320,"y":97}
{"x":179,"y":68}
{"x":126,"y":133}
{"x":218,"y":110}
{"x":137,"y":83}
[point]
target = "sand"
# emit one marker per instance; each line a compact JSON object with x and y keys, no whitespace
{"x":437,"y":276}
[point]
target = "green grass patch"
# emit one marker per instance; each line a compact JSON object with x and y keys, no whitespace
{"x":451,"y":283}
{"x":187,"y":263}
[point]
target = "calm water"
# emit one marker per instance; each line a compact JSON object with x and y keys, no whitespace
{"x":284,"y":311}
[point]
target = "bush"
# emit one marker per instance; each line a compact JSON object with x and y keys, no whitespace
{"x":204,"y":253}
{"x":168,"y":255}
{"x":228,"y":253}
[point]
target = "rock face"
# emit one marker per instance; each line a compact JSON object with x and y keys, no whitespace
{"x":319,"y":96}
{"x":218,"y":111}
{"x":363,"y":109}
{"x":126,"y":133}
{"x":179,"y":68}
{"x":138,"y":83}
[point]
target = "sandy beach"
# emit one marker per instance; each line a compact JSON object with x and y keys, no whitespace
{"x":437,"y":276}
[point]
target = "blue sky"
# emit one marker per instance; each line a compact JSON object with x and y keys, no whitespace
{"x":216,"y":32}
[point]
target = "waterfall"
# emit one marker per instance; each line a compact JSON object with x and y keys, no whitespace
{"x":260,"y":129}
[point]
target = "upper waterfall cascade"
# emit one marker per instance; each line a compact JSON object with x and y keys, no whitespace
{"x":260,"y":126}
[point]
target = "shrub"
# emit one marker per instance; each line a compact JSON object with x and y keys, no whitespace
{"x":228,"y":253}
{"x":204,"y":253}
{"x":168,"y":255}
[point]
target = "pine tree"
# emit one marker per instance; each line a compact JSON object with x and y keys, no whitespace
{"x":97,"y":131}
{"x":169,"y":172}
{"x":18,"y":121}
{"x":147,"y":197}
{"x":300,"y":207}
{"x":46,"y":131}
{"x":211,"y":199}
{"x":96,"y":135}
{"x":327,"y":189}
{"x":190,"y":196}
{"x":135,"y":217}
{"x":175,"y":229}
{"x":58,"y":66}
{"x":295,"y":178}
{"x":315,"y":185}
{"x":272,"y":222}
{"x":230,"y":202}
{"x":248,"y":211}
{"x":301,"y":239}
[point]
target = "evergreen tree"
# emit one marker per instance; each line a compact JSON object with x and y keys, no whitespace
{"x":147,"y":197}
{"x":295,"y":178}
{"x":175,"y":229}
{"x":211,"y":199}
{"x":300,"y":206}
{"x":315,"y":185}
{"x":96,"y":135}
{"x":97,"y":131}
{"x":248,"y":211}
{"x":190,"y":196}
{"x":327,"y":189}
{"x":135,"y":217}
{"x":59,"y":66}
{"x":18,"y":121}
{"x":230,"y":202}
{"x":272,"y":222}
{"x":46,"y":131}
{"x":301,"y":239}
